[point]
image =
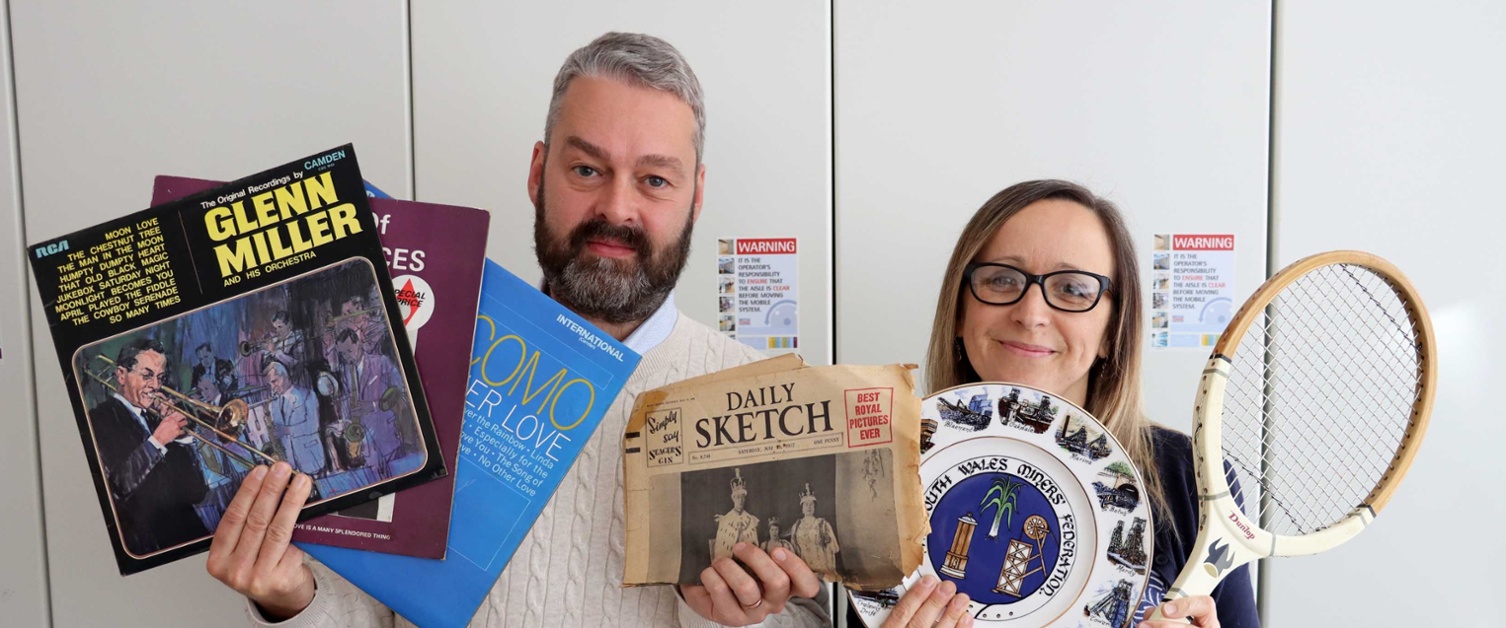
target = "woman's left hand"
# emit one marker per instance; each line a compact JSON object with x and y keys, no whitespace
{"x":1198,"y":608}
{"x":729,"y":595}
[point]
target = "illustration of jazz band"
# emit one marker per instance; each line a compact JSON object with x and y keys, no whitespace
{"x":324,"y":394}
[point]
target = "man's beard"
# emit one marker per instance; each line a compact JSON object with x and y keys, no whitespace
{"x":612,"y":290}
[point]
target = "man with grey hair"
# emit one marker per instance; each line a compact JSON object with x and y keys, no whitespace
{"x":294,"y":417}
{"x":617,"y":185}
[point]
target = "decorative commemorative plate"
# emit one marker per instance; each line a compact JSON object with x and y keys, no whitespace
{"x":1035,"y":510}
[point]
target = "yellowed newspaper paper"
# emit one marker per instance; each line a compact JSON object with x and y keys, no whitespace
{"x":822,"y":461}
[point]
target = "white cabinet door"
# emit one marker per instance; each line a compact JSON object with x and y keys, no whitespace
{"x":111,"y":94}
{"x":23,"y":581}
{"x":1389,"y":139}
{"x":1163,"y":110}
{"x":482,"y":77}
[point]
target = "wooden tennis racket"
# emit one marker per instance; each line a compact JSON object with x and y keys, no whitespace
{"x":1309,"y":413}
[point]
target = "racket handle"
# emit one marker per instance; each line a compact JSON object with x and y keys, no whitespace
{"x":1196,"y":579}
{"x":1218,"y":551}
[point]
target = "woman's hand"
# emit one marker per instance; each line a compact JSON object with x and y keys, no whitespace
{"x":730,"y":596}
{"x":930,"y":603}
{"x":1198,"y":608}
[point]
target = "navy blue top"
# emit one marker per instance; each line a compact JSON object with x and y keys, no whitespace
{"x":1234,"y":595}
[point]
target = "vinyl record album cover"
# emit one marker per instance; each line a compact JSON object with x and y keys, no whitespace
{"x":436,"y":254}
{"x":191,"y":339}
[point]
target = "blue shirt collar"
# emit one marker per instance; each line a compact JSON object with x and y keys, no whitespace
{"x":656,"y":328}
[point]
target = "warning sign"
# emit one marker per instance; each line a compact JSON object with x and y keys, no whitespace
{"x":757,"y":292}
{"x":1192,"y":289}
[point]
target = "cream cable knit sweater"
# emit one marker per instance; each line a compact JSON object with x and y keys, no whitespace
{"x":568,"y":570}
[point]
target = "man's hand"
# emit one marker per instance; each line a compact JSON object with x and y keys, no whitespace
{"x":170,"y":428}
{"x":1198,"y":608}
{"x":930,"y":603}
{"x":729,"y":595}
{"x":251,"y":552}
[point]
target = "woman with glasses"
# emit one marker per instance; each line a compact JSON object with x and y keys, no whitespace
{"x":1043,"y":289}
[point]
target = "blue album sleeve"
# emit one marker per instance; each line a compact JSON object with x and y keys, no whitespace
{"x":541,"y":379}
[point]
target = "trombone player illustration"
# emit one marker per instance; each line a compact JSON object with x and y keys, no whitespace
{"x":148,"y":458}
{"x":145,"y":434}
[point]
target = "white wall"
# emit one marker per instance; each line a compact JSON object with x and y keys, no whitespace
{"x":906,"y":116}
{"x":23,"y":577}
{"x":110,"y":94}
{"x":1389,"y":138}
{"x":482,"y":77}
{"x":941,"y":106}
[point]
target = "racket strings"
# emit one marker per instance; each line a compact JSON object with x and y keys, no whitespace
{"x":1305,"y":441}
{"x":1333,"y":492}
{"x":1319,"y":398}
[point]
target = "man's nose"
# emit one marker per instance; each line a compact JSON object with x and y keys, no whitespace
{"x":619,"y":202}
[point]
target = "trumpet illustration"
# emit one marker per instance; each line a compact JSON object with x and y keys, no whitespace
{"x":271,"y":343}
{"x":348,"y":315}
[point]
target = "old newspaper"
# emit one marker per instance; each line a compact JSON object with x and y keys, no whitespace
{"x":821,"y":461}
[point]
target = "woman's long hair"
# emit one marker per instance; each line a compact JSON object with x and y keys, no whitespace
{"x":1113,"y":382}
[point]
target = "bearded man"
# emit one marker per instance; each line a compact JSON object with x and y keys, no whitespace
{"x":617,"y":185}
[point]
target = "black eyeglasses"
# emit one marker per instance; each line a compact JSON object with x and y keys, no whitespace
{"x":1065,"y":290}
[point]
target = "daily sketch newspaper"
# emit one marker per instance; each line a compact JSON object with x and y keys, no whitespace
{"x":821,"y":461}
